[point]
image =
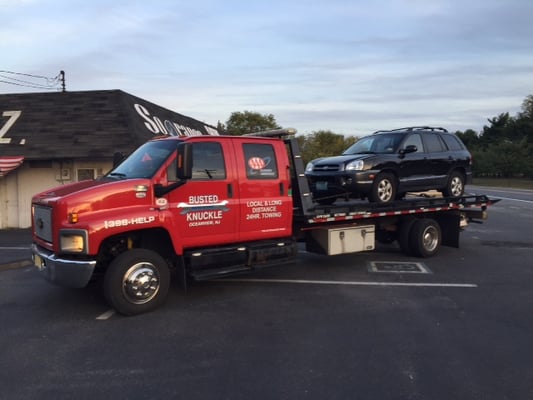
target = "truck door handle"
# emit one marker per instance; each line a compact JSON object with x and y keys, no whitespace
{"x":230,"y":190}
{"x":281,"y":189}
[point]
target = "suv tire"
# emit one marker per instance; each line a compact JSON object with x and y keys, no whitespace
{"x":455,"y":186}
{"x":384,"y":189}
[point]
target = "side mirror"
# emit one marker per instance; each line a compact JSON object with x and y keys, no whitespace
{"x":184,"y":161}
{"x":409,"y":149}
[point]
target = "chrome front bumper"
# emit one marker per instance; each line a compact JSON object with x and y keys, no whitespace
{"x":63,"y":272}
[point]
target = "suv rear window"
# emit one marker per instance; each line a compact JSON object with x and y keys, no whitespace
{"x":433,"y":143}
{"x":453,"y":142}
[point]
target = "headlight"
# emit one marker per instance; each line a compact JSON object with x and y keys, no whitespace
{"x":356,"y":165}
{"x":309,"y":167}
{"x":73,"y":241}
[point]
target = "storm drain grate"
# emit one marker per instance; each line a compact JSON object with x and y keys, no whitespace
{"x":399,"y":267}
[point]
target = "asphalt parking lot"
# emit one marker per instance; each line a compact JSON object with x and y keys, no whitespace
{"x":15,"y":249}
{"x":455,"y":326}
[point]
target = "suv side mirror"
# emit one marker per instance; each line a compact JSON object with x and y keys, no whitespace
{"x":409,"y":149}
{"x":184,"y":161}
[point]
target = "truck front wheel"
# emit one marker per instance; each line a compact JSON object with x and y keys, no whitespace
{"x":137,"y":281}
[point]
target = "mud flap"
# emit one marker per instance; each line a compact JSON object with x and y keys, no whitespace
{"x":450,"y":225}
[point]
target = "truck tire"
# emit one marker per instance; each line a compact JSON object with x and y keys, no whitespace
{"x":455,"y":187}
{"x":136,"y":281}
{"x":383,"y":189}
{"x":404,"y":236}
{"x":425,"y":237}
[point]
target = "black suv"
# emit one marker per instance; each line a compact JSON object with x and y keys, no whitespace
{"x":387,"y":164}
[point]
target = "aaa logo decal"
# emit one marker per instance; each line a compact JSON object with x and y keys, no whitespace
{"x":258,"y":162}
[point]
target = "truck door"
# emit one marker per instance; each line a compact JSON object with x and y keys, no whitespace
{"x":265,"y":203}
{"x":205,"y":209}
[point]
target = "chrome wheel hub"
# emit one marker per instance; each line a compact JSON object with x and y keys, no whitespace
{"x":140,"y":283}
{"x":385,"y":190}
{"x":430,"y":238}
{"x":456,"y":186}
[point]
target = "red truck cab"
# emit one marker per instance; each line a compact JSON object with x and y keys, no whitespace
{"x":208,"y":204}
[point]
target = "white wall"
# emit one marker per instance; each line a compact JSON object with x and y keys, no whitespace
{"x":17,"y":189}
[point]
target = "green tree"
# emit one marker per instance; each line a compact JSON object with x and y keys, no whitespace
{"x":506,"y":145}
{"x":469,"y":137}
{"x":221,"y":128}
{"x":497,"y":131}
{"x":509,"y":158}
{"x":323,"y":143}
{"x":240,"y":123}
{"x":524,"y":120}
{"x":527,"y":108}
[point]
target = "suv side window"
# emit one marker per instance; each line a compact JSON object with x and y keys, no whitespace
{"x":433,"y":143}
{"x":453,"y":142}
{"x":416,"y":140}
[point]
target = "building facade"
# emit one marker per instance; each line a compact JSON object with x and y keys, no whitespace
{"x":51,"y":139}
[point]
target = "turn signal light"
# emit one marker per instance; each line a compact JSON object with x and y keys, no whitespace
{"x":73,"y":218}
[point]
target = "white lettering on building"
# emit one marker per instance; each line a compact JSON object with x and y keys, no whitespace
{"x":12,"y":117}
{"x":166,"y":127}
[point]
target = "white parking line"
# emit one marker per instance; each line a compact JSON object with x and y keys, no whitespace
{"x":348,"y":283}
{"x":108,"y":314}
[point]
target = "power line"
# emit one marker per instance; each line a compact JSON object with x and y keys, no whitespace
{"x":57,"y":82}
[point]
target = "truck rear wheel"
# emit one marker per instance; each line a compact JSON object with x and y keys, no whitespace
{"x":137,"y":281}
{"x":425,"y":237}
{"x":404,"y":236}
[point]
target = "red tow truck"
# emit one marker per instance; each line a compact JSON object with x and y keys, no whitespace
{"x":209,"y":206}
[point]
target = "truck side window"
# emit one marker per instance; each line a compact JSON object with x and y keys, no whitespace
{"x":260,"y":161}
{"x":207,"y":161}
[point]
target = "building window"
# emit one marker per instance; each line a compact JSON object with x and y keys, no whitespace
{"x":85,"y":174}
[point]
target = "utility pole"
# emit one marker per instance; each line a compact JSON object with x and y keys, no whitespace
{"x":63,"y":85}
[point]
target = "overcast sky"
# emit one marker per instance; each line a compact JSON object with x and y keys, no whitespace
{"x":350,"y":66}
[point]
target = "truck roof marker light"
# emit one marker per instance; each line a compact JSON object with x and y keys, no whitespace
{"x":72,"y":218}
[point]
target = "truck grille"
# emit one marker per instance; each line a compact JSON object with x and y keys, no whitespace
{"x":42,"y":222}
{"x":327,"y":168}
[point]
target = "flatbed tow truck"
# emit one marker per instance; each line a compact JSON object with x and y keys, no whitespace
{"x":210,"y":206}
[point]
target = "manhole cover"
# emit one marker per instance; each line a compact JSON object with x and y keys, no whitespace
{"x":400,"y":267}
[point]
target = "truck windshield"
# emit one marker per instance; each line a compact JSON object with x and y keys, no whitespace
{"x":145,"y":161}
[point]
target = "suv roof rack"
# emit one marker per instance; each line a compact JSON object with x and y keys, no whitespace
{"x":414,"y":128}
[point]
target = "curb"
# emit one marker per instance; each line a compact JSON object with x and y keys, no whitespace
{"x":15,"y":265}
